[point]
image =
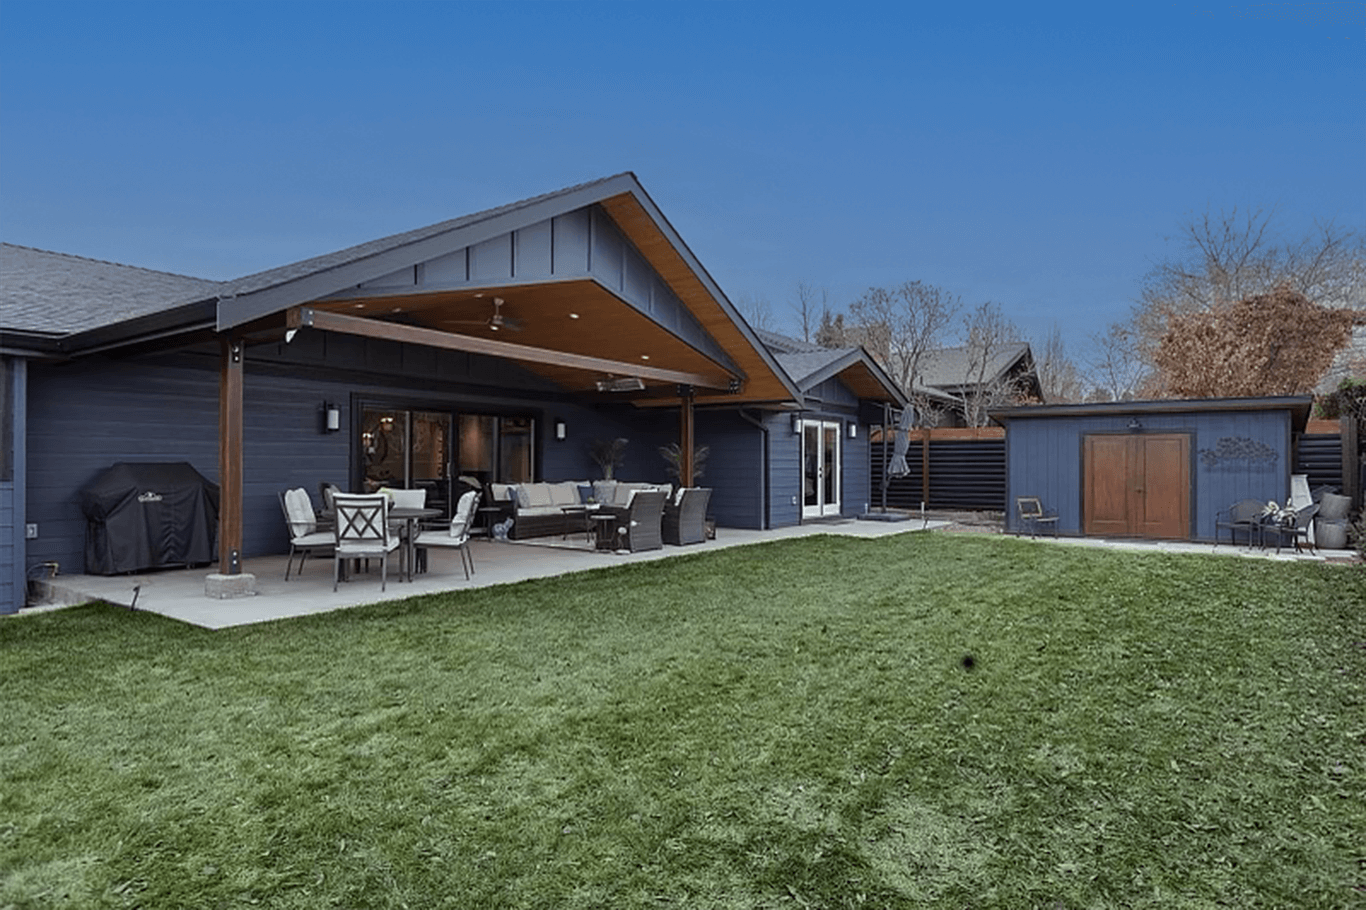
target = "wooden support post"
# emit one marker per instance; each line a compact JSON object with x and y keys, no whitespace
{"x":230,"y":459}
{"x":685,"y":435}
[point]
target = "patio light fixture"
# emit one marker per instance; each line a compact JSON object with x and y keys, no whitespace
{"x":1135,"y":424}
{"x":560,"y":429}
{"x":853,"y":431}
{"x":331,"y":417}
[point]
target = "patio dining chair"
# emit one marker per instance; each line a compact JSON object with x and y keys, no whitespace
{"x":1033,"y":516}
{"x":685,"y":516}
{"x":304,"y":535}
{"x":362,"y":533}
{"x":454,"y":536}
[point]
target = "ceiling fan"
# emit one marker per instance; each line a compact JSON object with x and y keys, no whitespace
{"x":496,"y":321}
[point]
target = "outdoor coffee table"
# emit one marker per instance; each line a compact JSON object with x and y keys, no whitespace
{"x":605,"y":529}
{"x":587,"y":511}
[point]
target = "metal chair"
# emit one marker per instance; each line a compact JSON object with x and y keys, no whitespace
{"x":456,"y":535}
{"x":1241,"y":516}
{"x":304,"y":536}
{"x":1295,"y":527}
{"x":362,"y":532}
{"x":1032,"y":515}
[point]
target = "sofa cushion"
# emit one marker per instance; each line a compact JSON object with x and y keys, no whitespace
{"x":537,"y":494}
{"x":565,"y":493}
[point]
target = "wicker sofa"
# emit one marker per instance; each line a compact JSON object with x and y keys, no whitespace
{"x":537,"y":509}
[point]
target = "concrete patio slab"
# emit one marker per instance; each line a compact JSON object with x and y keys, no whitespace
{"x":180,"y":593}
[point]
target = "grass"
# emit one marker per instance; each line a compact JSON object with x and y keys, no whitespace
{"x":786,"y":725}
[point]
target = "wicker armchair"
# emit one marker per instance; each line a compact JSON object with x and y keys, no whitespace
{"x":638,"y":525}
{"x":684,"y":519}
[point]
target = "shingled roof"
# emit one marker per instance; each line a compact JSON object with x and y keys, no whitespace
{"x":55,"y":294}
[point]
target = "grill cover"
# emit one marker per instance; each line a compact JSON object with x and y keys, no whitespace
{"x":148,"y":516}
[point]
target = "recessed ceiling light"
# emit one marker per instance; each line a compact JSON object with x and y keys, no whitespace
{"x":644,"y":356}
{"x":573,"y":315}
{"x":360,"y":306}
{"x":397,"y":309}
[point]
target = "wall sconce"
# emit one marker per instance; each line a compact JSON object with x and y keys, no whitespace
{"x":1135,"y":424}
{"x":331,"y":417}
{"x":796,"y":424}
{"x":560,"y":430}
{"x":853,"y":431}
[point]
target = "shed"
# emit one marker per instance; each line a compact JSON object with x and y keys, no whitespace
{"x":1154,"y":469}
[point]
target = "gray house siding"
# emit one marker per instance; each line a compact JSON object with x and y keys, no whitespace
{"x":13,"y":474}
{"x":11,"y":552}
{"x":1044,"y":459}
{"x":784,"y":472}
{"x":735,"y":468}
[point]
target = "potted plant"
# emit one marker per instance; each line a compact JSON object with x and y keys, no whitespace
{"x":673,"y":456}
{"x":609,"y":454}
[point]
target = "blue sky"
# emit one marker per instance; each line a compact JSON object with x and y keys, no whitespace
{"x":1038,"y":155}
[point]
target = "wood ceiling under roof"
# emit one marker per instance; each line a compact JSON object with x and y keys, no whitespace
{"x":582,"y":317}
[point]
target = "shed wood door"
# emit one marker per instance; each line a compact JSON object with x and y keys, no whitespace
{"x":1138,"y":486}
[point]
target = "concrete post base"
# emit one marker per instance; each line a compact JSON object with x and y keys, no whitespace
{"x":224,"y":587}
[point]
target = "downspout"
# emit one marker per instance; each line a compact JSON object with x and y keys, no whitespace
{"x":763,"y":466}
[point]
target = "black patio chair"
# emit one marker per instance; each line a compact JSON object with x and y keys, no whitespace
{"x":684,"y":519}
{"x":1033,"y":516}
{"x":1295,"y":526}
{"x":1241,"y":516}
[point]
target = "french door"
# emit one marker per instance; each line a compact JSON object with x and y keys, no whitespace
{"x":820,"y":468}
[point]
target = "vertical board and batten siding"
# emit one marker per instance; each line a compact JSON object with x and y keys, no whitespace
{"x":1045,"y":459}
{"x":582,"y":243}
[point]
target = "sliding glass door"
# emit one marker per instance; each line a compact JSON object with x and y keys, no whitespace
{"x":430,"y":449}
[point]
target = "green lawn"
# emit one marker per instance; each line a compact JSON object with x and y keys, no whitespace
{"x":785,"y":725}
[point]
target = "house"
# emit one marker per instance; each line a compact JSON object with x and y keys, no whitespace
{"x":497,"y":346}
{"x":1151,"y":469}
{"x":955,"y":383}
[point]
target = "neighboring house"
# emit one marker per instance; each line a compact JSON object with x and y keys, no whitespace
{"x":953,"y":382}
{"x":498,"y":346}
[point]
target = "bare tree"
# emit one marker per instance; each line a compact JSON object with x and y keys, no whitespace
{"x":899,"y":325}
{"x":986,"y":332}
{"x":756,"y":311}
{"x":1059,"y":378}
{"x":1114,"y":369}
{"x":809,"y":305}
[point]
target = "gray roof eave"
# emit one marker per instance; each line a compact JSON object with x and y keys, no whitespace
{"x":1298,"y":406}
{"x":852,"y":358}
{"x":178,"y":320}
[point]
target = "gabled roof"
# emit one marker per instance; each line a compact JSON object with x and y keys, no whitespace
{"x":948,"y":368}
{"x":809,"y":365}
{"x":1297,"y":405}
{"x":95,"y":312}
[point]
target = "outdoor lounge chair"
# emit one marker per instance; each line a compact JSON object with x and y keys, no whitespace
{"x":638,"y":524}
{"x":1241,"y":516}
{"x":304,"y":536}
{"x":362,"y":533}
{"x":685,"y":514}
{"x":1295,"y":526}
{"x":455,"y":535}
{"x":1033,"y":517}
